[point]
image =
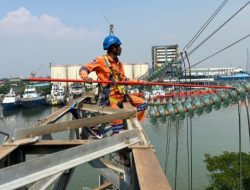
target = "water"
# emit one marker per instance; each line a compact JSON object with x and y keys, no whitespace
{"x":213,"y":133}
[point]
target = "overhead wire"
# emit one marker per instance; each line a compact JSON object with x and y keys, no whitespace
{"x":200,"y":44}
{"x":223,"y":49}
{"x":204,"y":26}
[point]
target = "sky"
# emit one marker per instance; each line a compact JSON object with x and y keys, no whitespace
{"x":62,"y":32}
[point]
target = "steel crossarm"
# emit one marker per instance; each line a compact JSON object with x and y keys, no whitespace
{"x":30,"y":171}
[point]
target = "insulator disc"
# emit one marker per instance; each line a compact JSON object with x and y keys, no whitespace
{"x":225,"y":98}
{"x":188,"y":105}
{"x":216,"y":100}
{"x":241,"y":91}
{"x":181,"y":110}
{"x":162,"y":113}
{"x":233,"y":96}
{"x":152,"y":114}
{"x":208,"y":107}
{"x":198,"y":106}
{"x":247,"y":87}
{"x":172,"y":114}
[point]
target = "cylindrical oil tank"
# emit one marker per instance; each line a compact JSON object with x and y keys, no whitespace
{"x":139,"y":69}
{"x":59,"y":72}
{"x":128,"y":69}
{"x":73,"y":72}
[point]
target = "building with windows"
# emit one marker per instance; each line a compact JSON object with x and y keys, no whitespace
{"x":162,"y":54}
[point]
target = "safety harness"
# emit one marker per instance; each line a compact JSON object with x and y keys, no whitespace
{"x":114,"y":77}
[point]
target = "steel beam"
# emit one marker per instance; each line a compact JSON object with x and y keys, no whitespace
{"x":109,"y":174}
{"x":69,"y":125}
{"x":43,"y":184}
{"x":32,"y":170}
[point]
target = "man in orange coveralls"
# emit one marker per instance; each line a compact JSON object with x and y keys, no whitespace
{"x":108,"y":67}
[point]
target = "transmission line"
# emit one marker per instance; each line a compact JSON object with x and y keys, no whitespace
{"x":205,"y":25}
{"x":194,"y":49}
{"x":212,"y":55}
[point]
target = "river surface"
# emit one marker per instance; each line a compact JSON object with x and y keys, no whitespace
{"x":213,"y":133}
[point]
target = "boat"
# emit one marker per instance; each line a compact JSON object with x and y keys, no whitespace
{"x":11,"y":100}
{"x":76,"y":90}
{"x":57,"y":95}
{"x":31,"y":98}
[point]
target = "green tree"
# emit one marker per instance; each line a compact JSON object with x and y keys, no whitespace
{"x":224,"y":171}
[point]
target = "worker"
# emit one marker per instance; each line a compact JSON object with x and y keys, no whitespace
{"x":108,"y":67}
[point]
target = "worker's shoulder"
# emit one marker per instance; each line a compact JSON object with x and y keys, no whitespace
{"x":100,"y":59}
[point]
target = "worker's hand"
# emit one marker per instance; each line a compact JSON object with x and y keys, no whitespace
{"x":87,"y":79}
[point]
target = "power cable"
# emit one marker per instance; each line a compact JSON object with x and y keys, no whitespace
{"x":176,"y":153}
{"x":191,"y":154}
{"x":167,"y":146}
{"x":218,"y":29}
{"x":189,"y":66}
{"x":212,"y":55}
{"x":248,"y":121}
{"x":188,"y":158}
{"x":205,"y":25}
{"x":240,"y":156}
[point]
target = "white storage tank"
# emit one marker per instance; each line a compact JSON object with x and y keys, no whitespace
{"x":139,"y":69}
{"x":73,"y":72}
{"x":128,"y":69}
{"x":59,"y":72}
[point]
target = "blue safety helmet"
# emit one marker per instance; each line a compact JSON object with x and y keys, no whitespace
{"x":111,"y":40}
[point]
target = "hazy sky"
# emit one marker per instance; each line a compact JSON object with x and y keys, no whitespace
{"x":62,"y":32}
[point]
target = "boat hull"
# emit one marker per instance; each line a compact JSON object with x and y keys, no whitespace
{"x":32,"y":102}
{"x":10,"y":106}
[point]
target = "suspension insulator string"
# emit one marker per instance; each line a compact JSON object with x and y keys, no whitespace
{"x":240,"y":156}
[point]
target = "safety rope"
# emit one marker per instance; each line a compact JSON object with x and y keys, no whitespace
{"x":102,"y":12}
{"x":240,"y":156}
{"x":218,"y":29}
{"x":205,"y":25}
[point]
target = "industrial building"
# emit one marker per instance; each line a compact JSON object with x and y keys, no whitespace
{"x":132,"y":71}
{"x":164,"y":53}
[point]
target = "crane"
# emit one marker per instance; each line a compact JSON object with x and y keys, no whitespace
{"x":33,"y":73}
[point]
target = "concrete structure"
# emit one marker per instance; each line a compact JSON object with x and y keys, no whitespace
{"x":164,"y":53}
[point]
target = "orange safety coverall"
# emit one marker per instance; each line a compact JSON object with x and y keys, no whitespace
{"x":103,"y":72}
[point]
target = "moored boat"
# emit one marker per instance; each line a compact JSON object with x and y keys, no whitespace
{"x":31,"y":98}
{"x":11,"y":100}
{"x":57,"y":95}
